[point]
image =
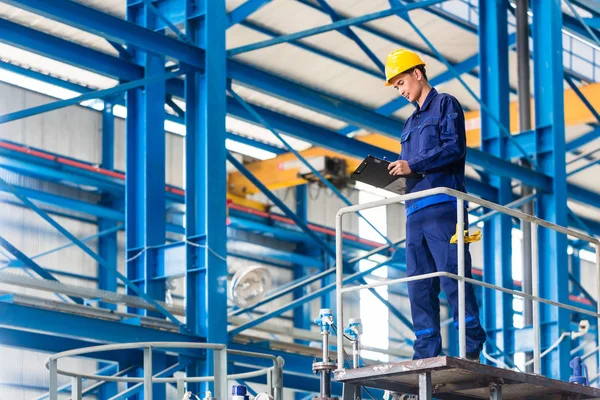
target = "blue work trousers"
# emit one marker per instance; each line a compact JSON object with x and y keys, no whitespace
{"x":428,"y":250}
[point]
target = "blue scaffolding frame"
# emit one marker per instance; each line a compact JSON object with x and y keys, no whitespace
{"x":138,"y":198}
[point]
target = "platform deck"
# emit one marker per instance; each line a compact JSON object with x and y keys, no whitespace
{"x":455,"y":378}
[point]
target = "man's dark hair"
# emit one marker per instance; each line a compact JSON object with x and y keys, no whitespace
{"x":422,"y":69}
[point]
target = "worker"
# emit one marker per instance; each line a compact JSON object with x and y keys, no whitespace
{"x":434,"y":145}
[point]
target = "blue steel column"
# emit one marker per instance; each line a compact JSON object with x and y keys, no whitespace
{"x":302,"y":317}
{"x":493,"y":56}
{"x":206,"y":299}
{"x":145,"y":179}
{"x":550,"y":128}
{"x":107,"y":244}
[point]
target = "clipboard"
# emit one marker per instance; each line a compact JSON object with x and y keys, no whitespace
{"x":374,"y":171}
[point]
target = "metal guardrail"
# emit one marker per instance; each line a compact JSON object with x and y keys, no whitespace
{"x":274,"y":374}
{"x":461,"y":198}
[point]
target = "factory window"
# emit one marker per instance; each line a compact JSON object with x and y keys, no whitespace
{"x":374,"y":314}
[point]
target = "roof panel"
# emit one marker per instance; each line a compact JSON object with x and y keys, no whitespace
{"x":54,"y":28}
{"x":54,"y":68}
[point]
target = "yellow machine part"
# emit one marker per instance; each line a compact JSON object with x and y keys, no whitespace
{"x":244,"y":202}
{"x":276,"y":172}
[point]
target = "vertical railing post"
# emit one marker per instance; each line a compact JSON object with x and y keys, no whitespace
{"x":52,"y":367}
{"x":598,"y":286}
{"x":147,"y":372}
{"x":460,"y":222}
{"x":278,"y":379}
{"x":339,"y":274}
{"x":180,"y":388}
{"x":76,"y":389}
{"x":220,"y":373}
{"x":535,"y":290}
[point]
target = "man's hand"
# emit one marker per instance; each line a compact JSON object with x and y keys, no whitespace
{"x":399,"y":167}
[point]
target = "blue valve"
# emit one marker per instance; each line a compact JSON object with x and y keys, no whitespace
{"x":578,"y":376}
{"x":354,"y":329}
{"x":325,"y":319}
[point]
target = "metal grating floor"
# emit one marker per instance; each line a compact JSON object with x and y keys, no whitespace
{"x":455,"y":378}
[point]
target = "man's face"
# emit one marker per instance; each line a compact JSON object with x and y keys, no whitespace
{"x":409,"y":85}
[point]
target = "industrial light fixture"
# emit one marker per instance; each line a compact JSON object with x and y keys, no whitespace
{"x":249,"y":285}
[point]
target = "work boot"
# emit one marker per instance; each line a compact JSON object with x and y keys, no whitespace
{"x":474,"y":356}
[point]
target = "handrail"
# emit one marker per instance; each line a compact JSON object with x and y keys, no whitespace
{"x":274,"y":373}
{"x":461,"y":198}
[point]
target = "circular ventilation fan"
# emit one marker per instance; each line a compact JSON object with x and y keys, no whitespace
{"x":249,"y":285}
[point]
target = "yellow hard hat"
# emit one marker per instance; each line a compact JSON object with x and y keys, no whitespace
{"x":399,"y":61}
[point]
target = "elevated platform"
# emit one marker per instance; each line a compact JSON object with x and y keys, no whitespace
{"x":455,"y":378}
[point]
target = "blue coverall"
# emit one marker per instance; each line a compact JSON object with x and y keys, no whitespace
{"x":434,"y":143}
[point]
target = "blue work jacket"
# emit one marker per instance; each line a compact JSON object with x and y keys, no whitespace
{"x":434,"y":143}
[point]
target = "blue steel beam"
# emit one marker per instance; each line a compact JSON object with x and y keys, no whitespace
{"x":84,"y":247}
{"x":587,"y":155}
{"x":302,"y":317}
{"x":244,"y":11}
{"x":312,"y":99}
{"x":67,"y":52}
{"x":52,"y":211}
{"x":145,"y":201}
{"x":175,"y":10}
{"x":582,"y":97}
{"x":289,"y":213}
{"x":48,"y":343}
{"x":549,"y":115}
{"x":113,"y":28}
{"x":123,"y":53}
{"x":384,"y":35}
{"x":583,"y":168}
{"x":315,"y":50}
{"x":29,"y":263}
{"x":333,"y":26}
{"x":255,"y":143}
{"x":150,"y":7}
{"x":350,"y":34}
{"x":100,"y":94}
{"x":83,"y":89}
{"x":107,"y":244}
{"x":19,"y":317}
{"x":69,"y":203}
{"x":573,"y":25}
{"x":206,"y":301}
{"x":100,"y":234}
{"x":497,"y":235}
